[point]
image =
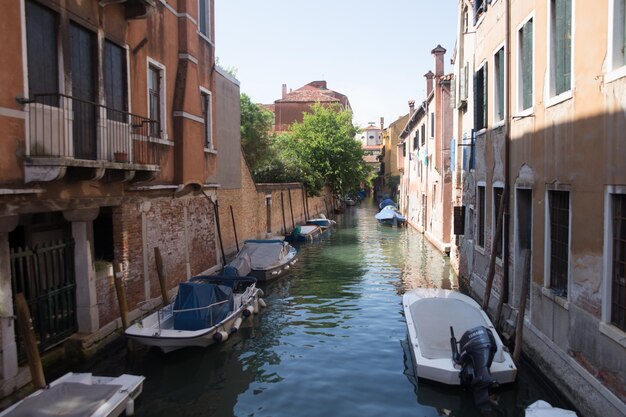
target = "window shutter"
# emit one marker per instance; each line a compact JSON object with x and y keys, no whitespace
{"x":459,"y":220}
{"x":452,"y":153}
{"x":485,"y":95}
{"x":476,"y":101}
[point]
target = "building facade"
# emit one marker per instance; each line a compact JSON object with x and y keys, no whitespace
{"x":426,"y":184}
{"x":291,"y":107}
{"x":109,"y":150}
{"x":541,"y":177}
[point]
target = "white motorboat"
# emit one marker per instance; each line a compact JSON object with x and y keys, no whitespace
{"x":262,"y":259}
{"x":390,"y":216}
{"x":81,"y":395}
{"x":322,"y":222}
{"x":479,"y":361}
{"x":207,"y":310}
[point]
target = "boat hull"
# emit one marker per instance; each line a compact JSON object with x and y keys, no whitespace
{"x":157,"y":329}
{"x":431,"y":359}
{"x":263,"y":275}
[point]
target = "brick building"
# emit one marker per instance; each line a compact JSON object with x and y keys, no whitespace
{"x":109,"y":149}
{"x":293,"y":104}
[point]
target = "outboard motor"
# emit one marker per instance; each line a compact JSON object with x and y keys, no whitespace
{"x":475,"y":354}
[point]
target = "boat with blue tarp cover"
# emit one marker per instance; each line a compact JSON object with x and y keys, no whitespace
{"x":207,"y":309}
{"x":262,"y":259}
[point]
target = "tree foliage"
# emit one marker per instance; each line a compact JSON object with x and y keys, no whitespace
{"x":256,"y":133}
{"x":322,"y":150}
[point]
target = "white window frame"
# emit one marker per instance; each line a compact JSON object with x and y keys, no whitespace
{"x":605,"y":326}
{"x":521,"y":112}
{"x":551,"y":98}
{"x":617,"y":9}
{"x":163,"y":94}
{"x":494,"y":215}
{"x":208,"y":127}
{"x":496,"y":122}
{"x":547,"y":290}
{"x":481,"y":67}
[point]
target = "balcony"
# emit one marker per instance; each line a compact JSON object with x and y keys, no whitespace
{"x":67,"y":136}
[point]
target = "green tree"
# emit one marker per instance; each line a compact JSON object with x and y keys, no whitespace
{"x":256,"y":133}
{"x":322,"y":150}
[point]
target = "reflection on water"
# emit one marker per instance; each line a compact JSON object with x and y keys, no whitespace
{"x":330,"y":342}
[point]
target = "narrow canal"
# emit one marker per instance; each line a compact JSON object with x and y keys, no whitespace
{"x":331,"y":341}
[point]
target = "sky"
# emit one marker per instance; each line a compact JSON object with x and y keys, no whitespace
{"x":376,"y":52}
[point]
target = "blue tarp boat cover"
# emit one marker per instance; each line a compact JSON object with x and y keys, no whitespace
{"x":386,"y":202}
{"x":191,"y":311}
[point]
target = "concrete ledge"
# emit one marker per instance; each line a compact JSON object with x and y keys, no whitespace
{"x":580,"y":387}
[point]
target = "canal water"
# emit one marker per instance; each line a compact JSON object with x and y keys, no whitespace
{"x":331,"y":342}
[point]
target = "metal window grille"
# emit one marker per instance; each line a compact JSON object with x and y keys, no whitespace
{"x":497,"y":200}
{"x":559,"y":241}
{"x":618,"y":290}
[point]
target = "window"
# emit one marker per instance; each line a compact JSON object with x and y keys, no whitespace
{"x":155,"y":100}
{"x":618,"y":34}
{"x":41,"y":41}
{"x":416,"y":140}
{"x":525,"y":66}
{"x":618,"y":266}
{"x":115,"y":90}
{"x":497,"y":200}
{"x":480,"y":98}
{"x":207,"y":116}
{"x":204,"y":17}
{"x":423,"y":134}
{"x":479,"y":8}
{"x":560,"y":46}
{"x":498,"y":108}
{"x":480,"y":197}
{"x":559,"y":241}
{"x":432,"y":125}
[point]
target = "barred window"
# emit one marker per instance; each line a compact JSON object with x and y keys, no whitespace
{"x":618,"y":273}
{"x":559,"y":241}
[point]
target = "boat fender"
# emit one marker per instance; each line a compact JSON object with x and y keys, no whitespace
{"x":247,"y":312}
{"x":260,"y":292}
{"x":220,"y":336}
{"x":236,"y":325}
{"x":274,"y":272}
{"x":256,"y":306}
{"x":130,"y":407}
{"x":262,"y":303}
{"x":286,"y":267}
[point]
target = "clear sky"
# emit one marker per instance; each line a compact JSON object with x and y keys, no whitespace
{"x":373,"y":51}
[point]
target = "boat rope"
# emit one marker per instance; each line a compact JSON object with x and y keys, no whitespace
{"x":199,"y":308}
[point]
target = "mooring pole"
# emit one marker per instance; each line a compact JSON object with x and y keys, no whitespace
{"x":30,"y":341}
{"x":120,"y":291}
{"x":162,"y":281}
{"x":519,"y":324}
{"x":216,"y":208}
{"x":293,"y":223}
{"x":232,"y":216}
{"x":282,"y":208}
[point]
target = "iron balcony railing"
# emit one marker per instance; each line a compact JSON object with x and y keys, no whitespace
{"x":62,"y":126}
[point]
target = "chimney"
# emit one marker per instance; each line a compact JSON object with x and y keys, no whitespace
{"x":284,"y":90}
{"x":382,"y":123}
{"x":411,"y":107}
{"x":429,"y":82}
{"x":438,"y":53}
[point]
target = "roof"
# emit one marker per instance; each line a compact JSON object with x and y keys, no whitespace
{"x":308,"y":95}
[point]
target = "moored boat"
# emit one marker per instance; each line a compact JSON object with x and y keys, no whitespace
{"x":479,"y":361}
{"x":305,"y":233}
{"x":262,"y":259}
{"x":207,"y":310}
{"x":322,"y":222}
{"x":390,"y":216}
{"x":81,"y":395}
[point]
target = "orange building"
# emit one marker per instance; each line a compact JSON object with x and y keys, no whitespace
{"x":108,"y":151}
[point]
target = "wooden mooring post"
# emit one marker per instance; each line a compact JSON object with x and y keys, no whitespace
{"x":293,"y":223}
{"x":120,"y":291}
{"x":30,"y":341}
{"x":161,"y":275}
{"x":519,"y":324}
{"x":232,"y":216}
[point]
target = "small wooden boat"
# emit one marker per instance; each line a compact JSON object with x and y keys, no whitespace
{"x":306,"y":233}
{"x":81,"y":395}
{"x":262,"y":259}
{"x":479,"y":361}
{"x":390,"y":216}
{"x":207,"y":310}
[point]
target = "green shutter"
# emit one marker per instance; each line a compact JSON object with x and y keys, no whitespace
{"x":527,"y":65}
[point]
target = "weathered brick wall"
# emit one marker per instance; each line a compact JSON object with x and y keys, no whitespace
{"x":249,"y":209}
{"x":183,"y":230}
